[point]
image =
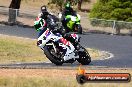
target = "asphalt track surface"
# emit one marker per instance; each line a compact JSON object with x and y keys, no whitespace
{"x":119,"y":46}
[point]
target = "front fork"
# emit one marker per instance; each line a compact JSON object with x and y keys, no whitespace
{"x":52,"y":44}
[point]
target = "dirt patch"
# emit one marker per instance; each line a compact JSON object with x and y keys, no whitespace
{"x":36,"y":73}
{"x":54,"y":72}
{"x":53,"y":78}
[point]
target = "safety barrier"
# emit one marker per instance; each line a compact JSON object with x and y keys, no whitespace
{"x":116,"y":26}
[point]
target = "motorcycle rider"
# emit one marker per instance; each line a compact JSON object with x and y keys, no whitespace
{"x":41,"y":24}
{"x":44,"y":13}
{"x":46,"y":16}
{"x":68,"y":10}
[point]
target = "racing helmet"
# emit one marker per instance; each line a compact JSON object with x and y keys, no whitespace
{"x":67,"y":6}
{"x":38,"y":24}
{"x":44,"y":10}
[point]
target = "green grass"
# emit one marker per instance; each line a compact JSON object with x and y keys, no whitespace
{"x":14,"y":49}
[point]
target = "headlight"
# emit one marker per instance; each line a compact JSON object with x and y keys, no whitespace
{"x":39,"y":42}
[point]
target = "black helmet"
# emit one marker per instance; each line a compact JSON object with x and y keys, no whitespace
{"x":44,"y":9}
{"x":67,"y":6}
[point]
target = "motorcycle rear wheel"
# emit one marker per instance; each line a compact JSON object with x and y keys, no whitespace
{"x":84,"y":57}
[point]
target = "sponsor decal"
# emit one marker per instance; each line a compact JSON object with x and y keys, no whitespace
{"x":73,"y":35}
{"x":83,"y":77}
{"x":47,"y":33}
{"x":64,"y":41}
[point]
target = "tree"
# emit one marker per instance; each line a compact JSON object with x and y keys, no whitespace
{"x":15,"y":4}
{"x":60,"y":3}
{"x":57,"y":2}
{"x":79,"y":4}
{"x":112,"y":9}
{"x":13,"y":11}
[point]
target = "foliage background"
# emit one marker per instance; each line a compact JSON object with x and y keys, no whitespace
{"x":113,"y":9}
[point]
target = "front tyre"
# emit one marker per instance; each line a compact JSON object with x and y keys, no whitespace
{"x":84,"y":58}
{"x":79,"y":29}
{"x":48,"y":51}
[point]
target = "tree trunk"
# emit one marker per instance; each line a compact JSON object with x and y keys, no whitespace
{"x":79,"y":4}
{"x":15,"y":4}
{"x":13,"y":11}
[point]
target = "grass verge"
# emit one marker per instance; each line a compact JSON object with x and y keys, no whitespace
{"x":13,"y":49}
{"x":96,"y":54}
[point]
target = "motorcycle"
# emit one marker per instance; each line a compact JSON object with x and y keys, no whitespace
{"x":72,"y":23}
{"x":54,"y":51}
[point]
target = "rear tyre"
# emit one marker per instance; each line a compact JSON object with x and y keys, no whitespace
{"x":84,"y":57}
{"x":51,"y":57}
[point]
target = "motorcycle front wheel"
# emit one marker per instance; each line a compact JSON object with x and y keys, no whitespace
{"x":55,"y":58}
{"x":79,"y":28}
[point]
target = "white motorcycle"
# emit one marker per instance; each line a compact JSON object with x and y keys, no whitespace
{"x":55,"y":50}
